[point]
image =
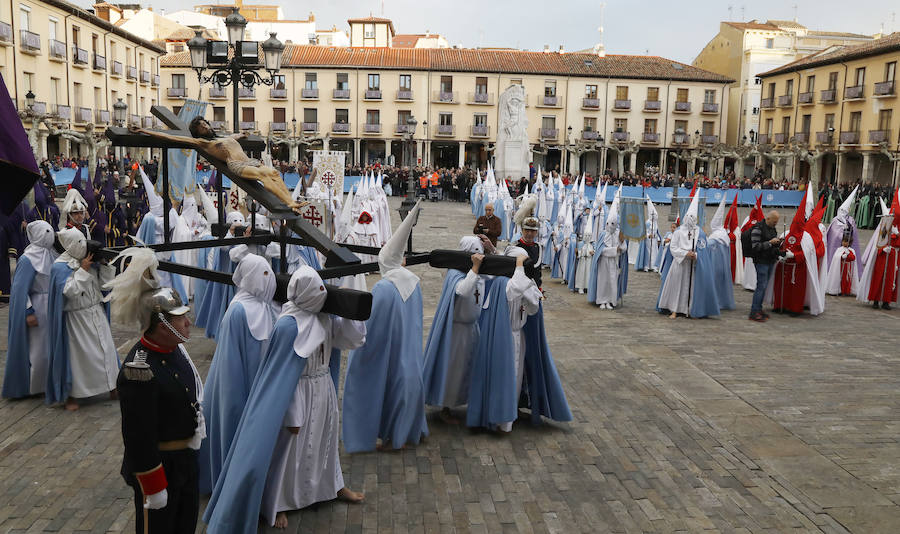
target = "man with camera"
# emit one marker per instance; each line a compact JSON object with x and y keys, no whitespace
{"x":765,"y":252}
{"x":489,"y":225}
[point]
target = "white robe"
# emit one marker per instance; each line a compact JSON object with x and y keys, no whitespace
{"x":524,"y":300}
{"x":39,"y":336}
{"x":675,"y":295}
{"x":466,"y":311}
{"x":834,"y":275}
{"x":608,"y":271}
{"x":306,"y":466}
{"x":583,"y":271}
{"x":92,"y":353}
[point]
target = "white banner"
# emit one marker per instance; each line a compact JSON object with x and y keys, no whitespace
{"x":329,"y":167}
{"x":315,"y":214}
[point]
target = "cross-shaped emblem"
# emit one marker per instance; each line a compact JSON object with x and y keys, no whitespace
{"x":312,"y":215}
{"x":477,"y":294}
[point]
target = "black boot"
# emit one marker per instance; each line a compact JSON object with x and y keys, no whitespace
{"x":875,"y":304}
{"x":885,"y":305}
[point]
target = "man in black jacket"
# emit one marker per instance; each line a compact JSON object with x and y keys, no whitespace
{"x":765,"y":252}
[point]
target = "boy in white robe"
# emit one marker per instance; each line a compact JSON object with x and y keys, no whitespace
{"x":585,"y":255}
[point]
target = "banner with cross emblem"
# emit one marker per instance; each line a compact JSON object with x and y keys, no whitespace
{"x":315,"y":214}
{"x":633,"y":218}
{"x":329,"y":167}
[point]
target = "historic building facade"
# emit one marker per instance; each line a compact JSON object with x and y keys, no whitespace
{"x":838,"y":105}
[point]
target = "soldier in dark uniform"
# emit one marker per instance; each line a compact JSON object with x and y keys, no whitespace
{"x":162,"y":425}
{"x":530,"y":228}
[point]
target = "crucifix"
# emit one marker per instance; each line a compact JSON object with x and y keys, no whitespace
{"x":477,"y":294}
{"x":235,"y":167}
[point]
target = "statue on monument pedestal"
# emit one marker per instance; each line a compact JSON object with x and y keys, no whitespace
{"x":512,"y":150}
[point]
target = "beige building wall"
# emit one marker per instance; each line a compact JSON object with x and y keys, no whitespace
{"x":865,"y":117}
{"x":76,"y":65}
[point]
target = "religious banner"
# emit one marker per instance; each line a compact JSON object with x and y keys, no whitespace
{"x":329,"y":167}
{"x":182,"y":161}
{"x":633,"y":218}
{"x":685,"y":202}
{"x":314,"y":213}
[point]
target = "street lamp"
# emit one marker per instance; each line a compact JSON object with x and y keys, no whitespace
{"x":235,"y":24}
{"x":29,"y":100}
{"x":120,"y":111}
{"x":425,"y":144}
{"x":410,"y":201}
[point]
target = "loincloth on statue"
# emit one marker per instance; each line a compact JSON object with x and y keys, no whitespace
{"x":237,"y":166}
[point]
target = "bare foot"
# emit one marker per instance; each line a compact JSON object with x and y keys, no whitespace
{"x":353,"y":497}
{"x":674,"y":315}
{"x":281,"y":521}
{"x":113,"y":395}
{"x":71,"y":405}
{"x":386,"y":446}
{"x":448,"y":418}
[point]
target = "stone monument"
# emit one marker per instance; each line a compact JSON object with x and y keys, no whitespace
{"x":512,"y":152}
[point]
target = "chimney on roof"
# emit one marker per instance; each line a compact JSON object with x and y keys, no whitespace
{"x":546,"y":49}
{"x":562,"y":49}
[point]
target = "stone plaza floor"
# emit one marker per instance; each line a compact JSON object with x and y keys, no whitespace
{"x":716,"y":425}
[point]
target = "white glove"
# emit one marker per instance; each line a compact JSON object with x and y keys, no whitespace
{"x":789,"y":255}
{"x":894,"y":230}
{"x":157,"y":500}
{"x":886,"y":249}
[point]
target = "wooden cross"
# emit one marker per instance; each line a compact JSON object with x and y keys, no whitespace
{"x":477,"y":294}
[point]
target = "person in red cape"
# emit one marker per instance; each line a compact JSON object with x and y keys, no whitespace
{"x":789,"y":284}
{"x":731,"y":225}
{"x":879,"y":283}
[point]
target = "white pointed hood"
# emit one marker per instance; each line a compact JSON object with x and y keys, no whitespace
{"x":209,"y":210}
{"x":847,"y":205}
{"x":390,"y":259}
{"x":811,"y":197}
{"x":345,"y":221}
{"x":613,"y":216}
{"x":718,"y":220}
{"x":73,"y":202}
{"x":589,"y":227}
{"x":154,"y":200}
{"x":691,"y":216}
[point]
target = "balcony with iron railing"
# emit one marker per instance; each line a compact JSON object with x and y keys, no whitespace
{"x":155,"y":81}
{"x":309,"y":94}
{"x":372,"y":128}
{"x":148,"y":122}
{"x":548,"y":134}
{"x":80,"y":57}
{"x":116,"y":70}
{"x":481,"y":130}
{"x":828,"y":96}
{"x":340,"y":94}
{"x":29,"y":42}
{"x":278,"y":94}
{"x":883,"y":89}
{"x":6,"y":34}
{"x":445,"y":97}
{"x":481,"y":98}
{"x":621,"y":105}
{"x":801,"y":137}
{"x":38,"y":108}
{"x":134,"y":120}
{"x":277,"y":126}
{"x":681,"y":139}
{"x":849,"y":138}
{"x":404,"y":95}
{"x":445,"y":130}
{"x":247,"y":125}
{"x":83,"y":115}
{"x":131,"y":73}
{"x":340,"y":127}
{"x":767,"y":103}
{"x":590,"y":135}
{"x":618,"y":137}
{"x":780,"y":138}
{"x":145,"y":76}
{"x":785,"y":101}
{"x":682,"y":107}
{"x":549,"y":101}
{"x":401,"y":128}
{"x":62,"y":112}
{"x":176,"y":92}
{"x":710,"y":107}
{"x":246,"y":93}
{"x":372,"y":94}
{"x":652,"y":105}
{"x":709,"y":139}
{"x":101,"y":116}
{"x":854,"y":93}
{"x":590,"y":103}
{"x":56,"y":50}
{"x":805,"y":98}
{"x":650,"y":138}
{"x":99,"y":62}
{"x":218,"y":125}
{"x":217,"y":93}
{"x":879,"y":136}
{"x":764,"y":139}
{"x":309,"y":127}
{"x":824,"y":138}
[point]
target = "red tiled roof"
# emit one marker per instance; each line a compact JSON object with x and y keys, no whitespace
{"x":752,"y":26}
{"x":477,"y":60}
{"x":887,"y":44}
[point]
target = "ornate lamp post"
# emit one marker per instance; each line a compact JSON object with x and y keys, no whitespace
{"x":120,"y":111}
{"x":410,"y":201}
{"x":241,"y":69}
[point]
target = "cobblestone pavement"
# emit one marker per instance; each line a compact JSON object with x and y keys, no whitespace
{"x":719,"y":425}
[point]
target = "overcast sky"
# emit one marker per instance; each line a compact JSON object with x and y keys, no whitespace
{"x":673,"y":29}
